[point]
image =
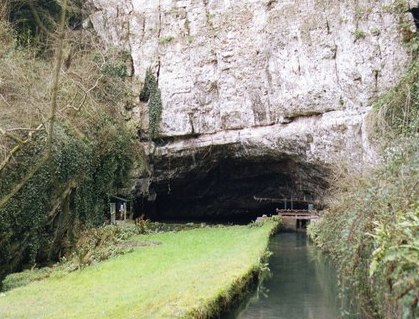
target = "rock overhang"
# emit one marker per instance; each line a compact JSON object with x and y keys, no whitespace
{"x":221,"y":186}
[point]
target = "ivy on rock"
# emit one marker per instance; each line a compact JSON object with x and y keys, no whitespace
{"x":41,"y":221}
{"x":152,"y":94}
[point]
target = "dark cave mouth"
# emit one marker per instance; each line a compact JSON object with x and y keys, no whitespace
{"x":233,"y":190}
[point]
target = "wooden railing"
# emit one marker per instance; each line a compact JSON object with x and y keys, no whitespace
{"x":299,"y":214}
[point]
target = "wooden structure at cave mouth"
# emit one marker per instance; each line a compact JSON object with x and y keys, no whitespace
{"x":297,"y":220}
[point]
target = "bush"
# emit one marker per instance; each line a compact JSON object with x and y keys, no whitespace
{"x":25,"y":277}
{"x":44,"y":203}
{"x":396,"y":258}
{"x":95,"y":245}
{"x":36,"y":20}
{"x":371,"y":228}
{"x":370,"y":232}
{"x":397,"y":112}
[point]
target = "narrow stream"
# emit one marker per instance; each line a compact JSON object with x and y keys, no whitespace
{"x":302,"y":284}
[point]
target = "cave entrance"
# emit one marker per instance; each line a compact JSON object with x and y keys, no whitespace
{"x":232,"y":190}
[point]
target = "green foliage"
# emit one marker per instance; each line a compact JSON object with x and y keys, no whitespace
{"x":166,"y":39}
{"x":92,"y":154}
{"x":260,"y":221}
{"x":150,"y":84}
{"x":397,"y":6}
{"x":72,"y":188}
{"x":396,"y":257}
{"x":155,"y":109}
{"x":114,"y":83}
{"x":116,"y":69}
{"x":151,"y":94}
{"x":359,"y":34}
{"x":371,"y":224}
{"x":25,"y":277}
{"x":34,"y":21}
{"x":398,"y":110}
{"x":276,"y":218}
{"x":95,"y":245}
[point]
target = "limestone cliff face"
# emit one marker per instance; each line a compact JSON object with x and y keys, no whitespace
{"x":259,"y":78}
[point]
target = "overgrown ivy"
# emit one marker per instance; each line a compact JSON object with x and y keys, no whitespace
{"x":151,"y":94}
{"x":41,"y":221}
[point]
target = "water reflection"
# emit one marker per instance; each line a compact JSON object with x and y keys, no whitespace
{"x":302,"y":284}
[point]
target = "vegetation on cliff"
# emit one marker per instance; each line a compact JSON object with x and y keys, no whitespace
{"x":371,"y":229}
{"x":152,"y":95}
{"x":64,"y":145}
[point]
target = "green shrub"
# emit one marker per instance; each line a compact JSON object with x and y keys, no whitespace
{"x":25,"y":277}
{"x":94,"y":245}
{"x":398,"y":110}
{"x":92,"y":151}
{"x":371,"y":224}
{"x":166,"y":39}
{"x":396,"y":258}
{"x":71,"y":188}
{"x":359,"y":34}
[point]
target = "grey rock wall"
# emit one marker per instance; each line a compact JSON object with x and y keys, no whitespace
{"x":260,"y":77}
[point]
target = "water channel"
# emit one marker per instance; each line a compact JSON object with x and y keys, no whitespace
{"x":302,"y":284}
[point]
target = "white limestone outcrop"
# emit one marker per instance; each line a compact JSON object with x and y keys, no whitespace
{"x":289,"y":77}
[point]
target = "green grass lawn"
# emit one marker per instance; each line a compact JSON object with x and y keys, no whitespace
{"x":183,"y":275}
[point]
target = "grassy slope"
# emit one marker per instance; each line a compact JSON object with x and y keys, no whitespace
{"x":189,"y":270}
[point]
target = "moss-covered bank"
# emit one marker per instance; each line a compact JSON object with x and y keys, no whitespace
{"x":191,"y":274}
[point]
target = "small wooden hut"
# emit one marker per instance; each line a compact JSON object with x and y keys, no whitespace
{"x":118,"y":208}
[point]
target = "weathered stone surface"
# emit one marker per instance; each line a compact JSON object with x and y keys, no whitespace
{"x":260,"y":79}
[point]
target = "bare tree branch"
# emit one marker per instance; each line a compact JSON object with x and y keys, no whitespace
{"x":17,"y":147}
{"x":57,"y":68}
{"x":14,"y":138}
{"x":5,"y":101}
{"x":67,"y":191}
{"x":51,"y":120}
{"x":86,"y":93}
{"x":5,"y":10}
{"x":23,"y":182}
{"x":27,"y":129}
